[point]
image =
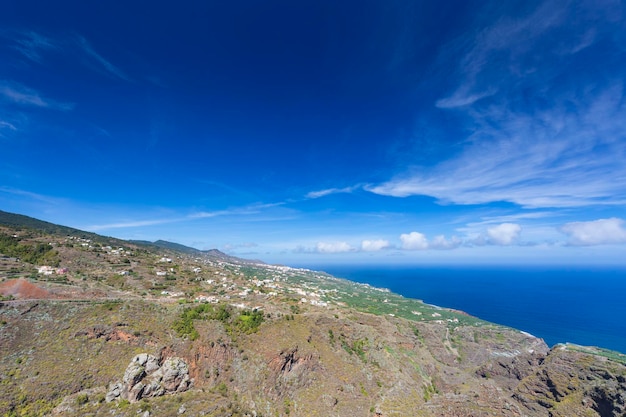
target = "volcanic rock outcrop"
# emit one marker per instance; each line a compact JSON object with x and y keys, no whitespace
{"x":147,"y":377}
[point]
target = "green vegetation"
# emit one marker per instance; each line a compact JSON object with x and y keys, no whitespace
{"x":39,"y":227}
{"x":82,"y":399}
{"x":249,"y":321}
{"x":245,"y":322}
{"x":606,"y":353}
{"x":184,"y":325}
{"x":222,"y":313}
{"x":288,"y":404}
{"x":356,"y":347}
{"x":110,"y":305}
{"x":222,"y":389}
{"x":429,"y":391}
{"x":36,"y":408}
{"x":36,"y":253}
{"x":25,"y":222}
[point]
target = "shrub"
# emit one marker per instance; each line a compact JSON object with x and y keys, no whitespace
{"x":82,"y":399}
{"x":222,"y":389}
{"x":249,"y":321}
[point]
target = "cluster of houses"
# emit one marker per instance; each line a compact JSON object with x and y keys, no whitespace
{"x":118,"y":251}
{"x":87,"y":243}
{"x":273,"y":280}
{"x":49,"y":270}
{"x":224,"y":283}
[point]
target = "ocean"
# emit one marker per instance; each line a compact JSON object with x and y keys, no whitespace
{"x":586,"y":306}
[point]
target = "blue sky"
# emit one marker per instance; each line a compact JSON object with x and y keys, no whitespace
{"x":319,"y":132}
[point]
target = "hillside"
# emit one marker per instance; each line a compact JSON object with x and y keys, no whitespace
{"x":97,"y":326}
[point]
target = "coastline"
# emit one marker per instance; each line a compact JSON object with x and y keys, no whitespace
{"x":561,"y":305}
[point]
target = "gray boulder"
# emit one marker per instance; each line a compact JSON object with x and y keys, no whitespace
{"x":146,"y":377}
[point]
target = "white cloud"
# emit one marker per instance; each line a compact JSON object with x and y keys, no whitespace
{"x":7,"y":125}
{"x":19,"y":94}
{"x":374,"y":245}
{"x":507,"y":218}
{"x":547,"y":158}
{"x":241,"y":211}
{"x":329,"y":191}
{"x":541,"y":134}
{"x":507,"y":38}
{"x":333,"y":247}
{"x":130,"y":224}
{"x":462,"y":98}
{"x":596,"y":232}
{"x":208,"y":214}
{"x":152,"y":222}
{"x":440,"y":242}
{"x":414,"y":241}
{"x":504,"y":234}
{"x":31,"y":44}
{"x":32,"y":196}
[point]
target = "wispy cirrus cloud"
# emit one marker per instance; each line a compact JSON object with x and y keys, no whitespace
{"x":541,"y":134}
{"x":250,"y":210}
{"x":31,"y":195}
{"x":551,"y":158}
{"x":507,"y":39}
{"x":329,"y":191}
{"x":491,"y":219}
{"x":102,"y":64}
{"x":132,"y":224}
{"x":7,"y":125}
{"x":34,"y":45}
{"x":463,"y":98}
{"x":208,"y":214}
{"x":11,"y":121}
{"x":19,"y":94}
{"x":158,"y":221}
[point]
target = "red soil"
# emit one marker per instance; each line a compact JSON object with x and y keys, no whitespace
{"x":22,"y":289}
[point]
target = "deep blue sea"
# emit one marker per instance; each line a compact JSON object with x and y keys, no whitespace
{"x":586,"y":306}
